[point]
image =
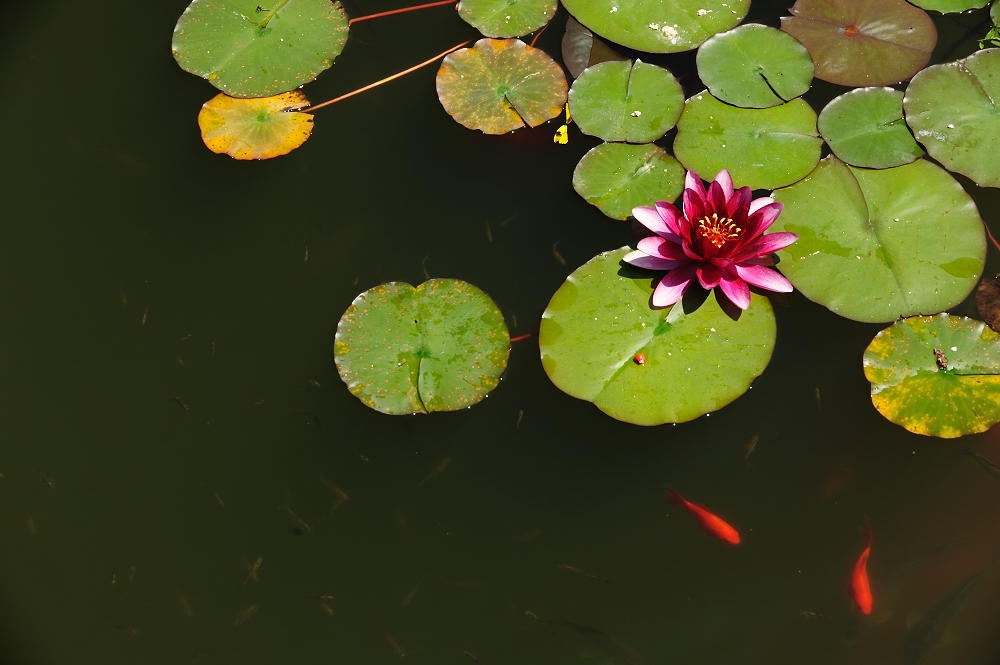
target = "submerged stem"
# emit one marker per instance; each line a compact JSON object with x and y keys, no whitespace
{"x":402,"y":10}
{"x":385,"y":80}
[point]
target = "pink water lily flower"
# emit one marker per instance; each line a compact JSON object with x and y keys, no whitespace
{"x":717,"y":239}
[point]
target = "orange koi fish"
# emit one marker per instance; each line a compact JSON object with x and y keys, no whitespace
{"x":861,"y":590}
{"x":711,"y":522}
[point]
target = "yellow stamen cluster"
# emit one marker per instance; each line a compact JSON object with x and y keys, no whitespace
{"x":718,"y":231}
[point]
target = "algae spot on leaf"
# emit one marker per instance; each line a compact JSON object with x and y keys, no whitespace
{"x":440,"y":346}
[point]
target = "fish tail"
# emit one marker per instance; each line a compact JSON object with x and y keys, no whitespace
{"x":673,"y":496}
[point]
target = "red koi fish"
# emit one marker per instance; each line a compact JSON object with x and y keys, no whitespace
{"x":711,"y":522}
{"x":861,"y":590}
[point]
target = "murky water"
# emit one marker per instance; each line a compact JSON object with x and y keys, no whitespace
{"x":186,"y":480}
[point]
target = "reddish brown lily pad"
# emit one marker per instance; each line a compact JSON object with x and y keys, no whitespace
{"x":863,"y":42}
{"x":988,"y":301}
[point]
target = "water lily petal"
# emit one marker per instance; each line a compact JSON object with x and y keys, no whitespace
{"x":644,"y":260}
{"x":653,"y":218}
{"x":761,"y":219}
{"x":763,"y":277}
{"x":662,"y":248}
{"x":673,"y":218}
{"x":764,"y":246}
{"x":709,"y":275}
{"x":737,"y":291}
{"x":672,"y":287}
{"x":694,"y":203}
{"x":725,"y":181}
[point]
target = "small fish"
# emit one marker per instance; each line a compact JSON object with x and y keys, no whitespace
{"x":711,"y":522}
{"x":861,"y":590}
{"x":750,"y":446}
{"x":436,"y":471}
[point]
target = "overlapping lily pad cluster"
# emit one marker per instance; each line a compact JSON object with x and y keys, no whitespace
{"x":883,"y":231}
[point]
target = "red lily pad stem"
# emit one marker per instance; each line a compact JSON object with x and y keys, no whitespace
{"x":397,"y":75}
{"x":402,"y":10}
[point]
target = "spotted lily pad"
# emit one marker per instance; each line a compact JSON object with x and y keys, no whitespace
{"x":255,"y":128}
{"x":755,"y":66}
{"x":506,"y":18}
{"x":762,"y":148}
{"x":617,"y":177}
{"x":626,"y":101}
{"x":601,"y":341}
{"x":863,"y":42}
{"x":865,"y":127}
{"x":247,"y":50}
{"x":876,"y":245}
{"x":440,"y":346}
{"x":936,"y":375}
{"x":952,"y":110}
{"x":499,"y":85}
{"x":656,"y":26}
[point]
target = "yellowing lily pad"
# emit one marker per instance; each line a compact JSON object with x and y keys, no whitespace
{"x":255,"y":128}
{"x":499,"y":85}
{"x":863,"y":42}
{"x":601,"y":341}
{"x":440,"y":346}
{"x":246,"y":49}
{"x":936,"y":375}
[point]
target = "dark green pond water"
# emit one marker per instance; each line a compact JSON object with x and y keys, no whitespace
{"x":175,"y":438}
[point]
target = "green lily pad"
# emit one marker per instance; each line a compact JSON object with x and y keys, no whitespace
{"x":246,"y":50}
{"x":626,"y":101}
{"x":581,"y":49}
{"x":441,"y":346}
{"x":691,"y":363}
{"x":655,"y":26}
{"x":755,"y":66}
{"x":865,"y":127}
{"x":499,"y":85}
{"x":876,"y":245}
{"x":952,"y":111}
{"x":762,"y":148}
{"x":950,"y":6}
{"x":506,"y":18}
{"x":617,"y":177}
{"x":936,"y":375}
{"x":863,"y":42}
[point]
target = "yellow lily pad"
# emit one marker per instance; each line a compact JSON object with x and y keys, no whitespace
{"x":256,"y":127}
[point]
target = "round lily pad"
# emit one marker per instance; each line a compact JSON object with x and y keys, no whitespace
{"x":601,"y":341}
{"x":506,"y":18}
{"x":936,"y":375}
{"x":863,"y":42}
{"x":755,"y":66}
{"x":762,"y":148}
{"x":626,"y":101}
{"x":656,"y":26}
{"x":952,"y":111}
{"x":876,"y":245}
{"x":499,"y":85}
{"x":247,"y":50}
{"x":950,"y":6}
{"x":617,"y":177}
{"x":255,"y":128}
{"x":440,"y":346}
{"x":865,"y":127}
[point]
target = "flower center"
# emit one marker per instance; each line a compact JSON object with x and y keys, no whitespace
{"x":718,"y":231}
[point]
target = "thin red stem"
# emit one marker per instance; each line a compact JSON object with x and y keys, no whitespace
{"x":521,"y":338}
{"x":402,"y":11}
{"x":414,"y":68}
{"x":992,"y":239}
